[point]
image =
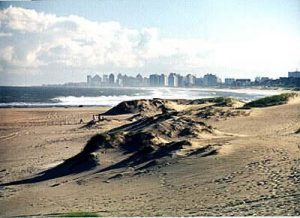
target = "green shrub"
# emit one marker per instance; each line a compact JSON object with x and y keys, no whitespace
{"x":219,"y":101}
{"x":270,"y":100}
{"x":98,"y":141}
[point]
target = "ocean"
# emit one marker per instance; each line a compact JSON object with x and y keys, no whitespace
{"x":44,"y":96}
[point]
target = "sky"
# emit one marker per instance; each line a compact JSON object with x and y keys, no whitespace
{"x":47,"y":42}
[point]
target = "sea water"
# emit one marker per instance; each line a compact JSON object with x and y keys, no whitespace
{"x":44,"y":96}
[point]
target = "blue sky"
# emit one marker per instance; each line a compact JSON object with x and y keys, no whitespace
{"x":224,"y":32}
{"x":180,"y":18}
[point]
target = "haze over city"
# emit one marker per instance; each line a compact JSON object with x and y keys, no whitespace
{"x":63,"y":41}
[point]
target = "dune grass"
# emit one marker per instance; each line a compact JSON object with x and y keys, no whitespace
{"x":270,"y":100}
{"x":218,"y":101}
{"x":221,"y":101}
{"x":78,"y":214}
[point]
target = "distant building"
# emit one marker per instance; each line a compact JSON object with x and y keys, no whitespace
{"x":173,"y":80}
{"x":129,"y":81}
{"x":257,"y":79}
{"x":146,"y":81}
{"x":105,"y":78}
{"x":139,"y":78}
{"x":163,"y":80}
{"x":154,"y":80}
{"x":96,"y":80}
{"x":210,"y":80}
{"x":295,"y":74}
{"x":243,"y":82}
{"x":190,"y":80}
{"x":260,"y":80}
{"x":264,"y":79}
{"x":199,"y":82}
{"x":89,"y":80}
{"x":286,"y":82}
{"x":111,"y":78}
{"x":181,"y":81}
{"x":229,"y":81}
{"x":120,"y":80}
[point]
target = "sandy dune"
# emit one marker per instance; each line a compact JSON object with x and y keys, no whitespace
{"x":197,"y":157}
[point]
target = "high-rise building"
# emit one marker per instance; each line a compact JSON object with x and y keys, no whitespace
{"x":210,"y":80}
{"x":154,"y":80}
{"x":181,"y":80}
{"x":105,"y":78}
{"x":173,"y":80}
{"x":139,"y":80}
{"x":96,"y":80}
{"x":163,"y":80}
{"x":111,"y":78}
{"x":120,"y":80}
{"x":190,"y":80}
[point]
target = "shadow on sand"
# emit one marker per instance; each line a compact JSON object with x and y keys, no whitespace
{"x":77,"y":164}
{"x":85,"y":161}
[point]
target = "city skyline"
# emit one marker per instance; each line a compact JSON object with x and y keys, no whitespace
{"x":178,"y":80}
{"x":49,"y":42}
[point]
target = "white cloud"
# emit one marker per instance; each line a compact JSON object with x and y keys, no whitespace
{"x":6,"y":53}
{"x":40,"y":39}
{"x":31,"y":39}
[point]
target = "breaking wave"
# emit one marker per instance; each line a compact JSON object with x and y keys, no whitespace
{"x":111,"y":98}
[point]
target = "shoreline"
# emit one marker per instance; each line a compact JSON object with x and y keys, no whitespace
{"x":110,"y":100}
{"x":56,"y":106}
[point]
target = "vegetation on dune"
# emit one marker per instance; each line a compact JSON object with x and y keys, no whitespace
{"x":78,"y":214}
{"x":218,"y":101}
{"x":100,"y":140}
{"x":209,"y":112}
{"x":221,"y":101}
{"x":270,"y":100}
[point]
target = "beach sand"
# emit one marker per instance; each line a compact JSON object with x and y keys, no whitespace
{"x":255,"y":172}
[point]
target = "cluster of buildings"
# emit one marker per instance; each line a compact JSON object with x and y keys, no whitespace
{"x":293,"y":80}
{"x":154,"y":80}
{"x":177,"y":80}
{"x":116,"y":81}
{"x":97,"y":81}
